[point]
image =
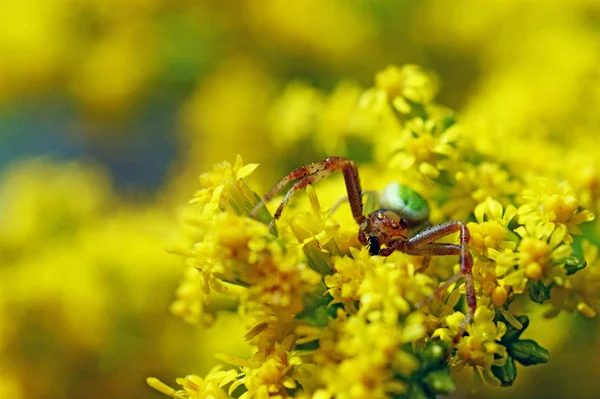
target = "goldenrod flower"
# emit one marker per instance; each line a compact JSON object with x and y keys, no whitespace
{"x":195,"y":387}
{"x":547,"y":205}
{"x":224,"y":189}
{"x":491,"y":231}
{"x":322,"y":228}
{"x":474,"y":183}
{"x":364,"y":358}
{"x":303,"y":113}
{"x":268,"y":373}
{"x":481,"y":348}
{"x":536,"y":252}
{"x":191,"y":299}
{"x":241,"y":251}
{"x":390,"y":289}
{"x":327,"y":319}
{"x":294,"y":115}
{"x":400,"y":87}
{"x":425,"y":148}
{"x":343,"y":284}
{"x":580,"y":292}
{"x":385,"y":288}
{"x":341,"y":119}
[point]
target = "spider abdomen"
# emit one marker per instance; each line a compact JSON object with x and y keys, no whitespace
{"x":405,"y":201}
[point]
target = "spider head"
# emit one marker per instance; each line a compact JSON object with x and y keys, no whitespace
{"x":380,"y":227}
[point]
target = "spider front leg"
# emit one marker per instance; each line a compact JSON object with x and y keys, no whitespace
{"x":312,"y":173}
{"x":423,"y":244}
{"x":345,"y":198}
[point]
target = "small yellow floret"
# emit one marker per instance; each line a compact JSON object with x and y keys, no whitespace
{"x":499,"y":296}
{"x":586,"y":310}
{"x":533,"y":271}
{"x":161,"y":386}
{"x":563,"y":207}
{"x":535,"y":257}
{"x":486,"y":235}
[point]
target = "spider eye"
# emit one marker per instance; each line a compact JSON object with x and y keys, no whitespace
{"x":374,"y":246}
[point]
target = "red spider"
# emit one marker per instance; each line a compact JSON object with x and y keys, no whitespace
{"x":387,"y":230}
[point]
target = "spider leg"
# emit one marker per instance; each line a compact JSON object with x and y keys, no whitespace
{"x":425,"y":263}
{"x":345,"y":198}
{"x":439,"y":291}
{"x":422,"y":244}
{"x":312,"y":173}
{"x":299,"y":185}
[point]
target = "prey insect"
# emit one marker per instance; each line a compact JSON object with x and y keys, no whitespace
{"x":400,"y":224}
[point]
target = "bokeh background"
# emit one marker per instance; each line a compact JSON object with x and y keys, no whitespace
{"x":110,"y":109}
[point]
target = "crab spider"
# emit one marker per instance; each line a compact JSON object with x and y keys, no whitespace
{"x":389,"y":229}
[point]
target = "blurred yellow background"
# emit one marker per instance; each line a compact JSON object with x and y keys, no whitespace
{"x":109,"y":111}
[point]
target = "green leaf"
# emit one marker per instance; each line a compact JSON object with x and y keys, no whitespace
{"x":513,"y":334}
{"x":528,"y":352}
{"x":316,"y":258}
{"x":440,"y":382}
{"x":316,"y":310}
{"x":432,"y":356}
{"x":507,"y":373}
{"x":318,"y":317}
{"x":416,"y":391}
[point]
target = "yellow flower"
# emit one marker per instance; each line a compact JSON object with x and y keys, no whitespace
{"x":384,"y":288}
{"x":192,"y":299}
{"x":338,"y":32}
{"x":581,"y":291}
{"x":388,"y":290}
{"x":479,"y":349}
{"x":224,"y":189}
{"x":111,"y":56}
{"x":195,"y":387}
{"x":294,"y":114}
{"x":401,"y":86}
{"x":344,"y":282}
{"x":547,"y":205}
{"x":268,"y":373}
{"x":356,"y":327}
{"x":341,"y":119}
{"x":474,"y":183}
{"x":323,"y":228}
{"x":491,"y":231}
{"x":364,"y":356}
{"x":587,"y":284}
{"x":536,"y":254}
{"x":38,"y":204}
{"x":303,"y":113}
{"x":424,"y":148}
{"x":241,"y":251}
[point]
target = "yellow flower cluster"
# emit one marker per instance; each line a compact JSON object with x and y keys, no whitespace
{"x":84,"y":277}
{"x":236,"y":255}
{"x":325,"y":318}
{"x":481,"y":347}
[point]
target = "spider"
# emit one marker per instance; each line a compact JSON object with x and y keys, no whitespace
{"x":389,"y":229}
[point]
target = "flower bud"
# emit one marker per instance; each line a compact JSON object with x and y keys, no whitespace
{"x":528,"y":352}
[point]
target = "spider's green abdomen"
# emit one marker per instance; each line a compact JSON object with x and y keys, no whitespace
{"x":405,"y":201}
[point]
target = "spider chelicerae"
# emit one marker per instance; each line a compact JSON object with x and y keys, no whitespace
{"x":389,"y":229}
